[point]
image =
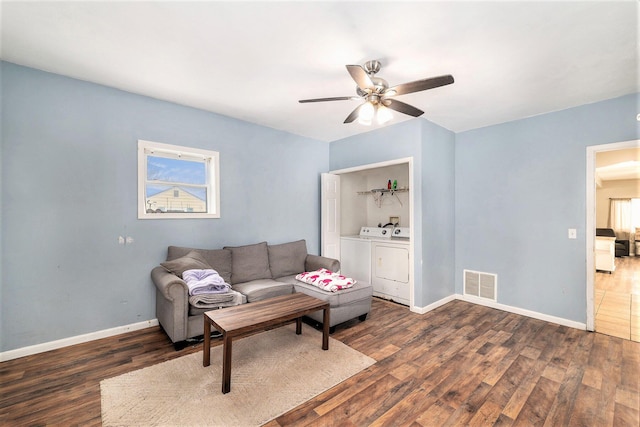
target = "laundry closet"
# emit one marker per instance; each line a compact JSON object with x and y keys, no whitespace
{"x":367,"y":226}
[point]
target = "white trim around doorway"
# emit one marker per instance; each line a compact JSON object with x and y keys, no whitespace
{"x":591,"y":219}
{"x":412,"y":239}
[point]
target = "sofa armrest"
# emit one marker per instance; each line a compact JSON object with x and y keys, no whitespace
{"x":626,"y":245}
{"x":168,"y":284}
{"x":316,"y":262}
{"x":172,"y":303}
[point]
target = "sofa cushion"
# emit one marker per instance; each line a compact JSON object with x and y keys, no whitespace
{"x":190,"y":261}
{"x":257,"y":290}
{"x":218,"y":259}
{"x":288,"y":258}
{"x":250,"y":262}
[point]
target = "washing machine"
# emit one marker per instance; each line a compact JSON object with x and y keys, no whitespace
{"x":390,"y":275}
{"x":355,"y":252}
{"x":355,"y":258}
{"x":379,"y":256}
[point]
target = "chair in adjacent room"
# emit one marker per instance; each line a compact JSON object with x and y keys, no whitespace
{"x":621,"y":247}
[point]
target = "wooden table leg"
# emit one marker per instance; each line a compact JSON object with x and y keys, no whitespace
{"x":298,"y":325}
{"x":206,"y":346}
{"x":226,"y":363}
{"x":325,"y":329}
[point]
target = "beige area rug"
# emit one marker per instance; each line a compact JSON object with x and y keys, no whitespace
{"x":272,"y":373}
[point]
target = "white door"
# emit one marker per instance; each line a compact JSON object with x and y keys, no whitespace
{"x":391,"y":262}
{"x":330,"y":206}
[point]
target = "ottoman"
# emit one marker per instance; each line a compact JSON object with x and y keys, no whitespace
{"x":344,"y":305}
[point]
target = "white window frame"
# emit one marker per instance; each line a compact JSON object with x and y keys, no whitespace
{"x":212,"y":158}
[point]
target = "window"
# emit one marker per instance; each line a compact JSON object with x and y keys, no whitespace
{"x":635,"y":214}
{"x":177,"y":182}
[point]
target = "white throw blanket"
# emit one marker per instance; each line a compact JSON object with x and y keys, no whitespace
{"x":326,"y":280}
{"x":205,"y":282}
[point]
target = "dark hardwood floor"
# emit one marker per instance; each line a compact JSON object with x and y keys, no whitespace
{"x":461,"y":364}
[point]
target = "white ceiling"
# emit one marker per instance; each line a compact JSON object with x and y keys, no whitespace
{"x":254,"y":60}
{"x":626,"y":170}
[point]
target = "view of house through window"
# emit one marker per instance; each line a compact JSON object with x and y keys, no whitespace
{"x":177,"y":182}
{"x":175,"y":185}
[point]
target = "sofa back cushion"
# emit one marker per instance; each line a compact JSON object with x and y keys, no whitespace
{"x":288,"y":258}
{"x":192,"y":260}
{"x":250,"y":262}
{"x":605,"y":232}
{"x":218,"y":259}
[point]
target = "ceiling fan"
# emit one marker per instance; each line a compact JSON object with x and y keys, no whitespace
{"x":377,"y":94}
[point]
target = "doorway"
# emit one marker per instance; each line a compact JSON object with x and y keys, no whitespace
{"x":371,"y":195}
{"x":613,"y":292}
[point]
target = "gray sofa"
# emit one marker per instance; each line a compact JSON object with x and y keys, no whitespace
{"x":255,"y":272}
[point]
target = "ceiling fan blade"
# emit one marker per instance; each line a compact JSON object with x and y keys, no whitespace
{"x":401,"y":107}
{"x":354,"y":114}
{"x":420,"y":85}
{"x":335,"y":98}
{"x":360,"y":76}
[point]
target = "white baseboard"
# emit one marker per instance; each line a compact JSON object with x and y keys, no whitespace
{"x":433,"y":306}
{"x":503,"y":307}
{"x":523,"y":312}
{"x":78,"y":339}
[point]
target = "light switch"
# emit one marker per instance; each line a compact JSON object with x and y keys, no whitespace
{"x":573,"y":233}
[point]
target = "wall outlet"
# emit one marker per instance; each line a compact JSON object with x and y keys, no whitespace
{"x":572,"y":233}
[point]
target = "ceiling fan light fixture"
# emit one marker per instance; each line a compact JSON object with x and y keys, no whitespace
{"x":366,"y":113}
{"x":383,"y":115}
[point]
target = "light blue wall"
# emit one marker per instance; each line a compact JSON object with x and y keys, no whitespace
{"x":432,"y":150}
{"x":438,"y":212}
{"x":519,"y":187}
{"x":69,"y":189}
{"x":498,"y":199}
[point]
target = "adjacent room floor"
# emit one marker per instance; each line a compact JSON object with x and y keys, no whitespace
{"x":617,"y":300}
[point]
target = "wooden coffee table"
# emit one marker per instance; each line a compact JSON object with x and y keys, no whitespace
{"x":244,"y":319}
